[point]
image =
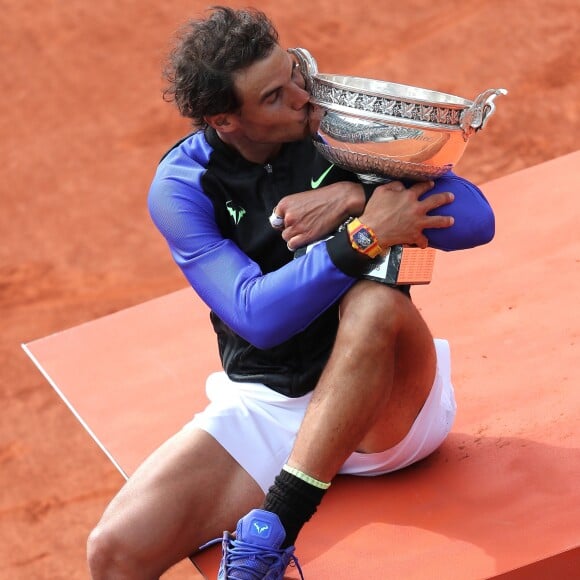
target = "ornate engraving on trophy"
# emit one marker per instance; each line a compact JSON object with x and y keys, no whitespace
{"x":382,"y":130}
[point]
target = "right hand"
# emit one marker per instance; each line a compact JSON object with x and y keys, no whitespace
{"x":397,"y":216}
{"x":312,"y":215}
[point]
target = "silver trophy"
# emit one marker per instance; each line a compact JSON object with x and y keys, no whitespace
{"x":383,"y":131}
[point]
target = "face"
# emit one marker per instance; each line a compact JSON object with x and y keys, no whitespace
{"x":274,"y":103}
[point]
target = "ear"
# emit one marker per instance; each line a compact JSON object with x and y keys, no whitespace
{"x":223,"y":122}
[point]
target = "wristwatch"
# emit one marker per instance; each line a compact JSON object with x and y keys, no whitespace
{"x":363,"y":239}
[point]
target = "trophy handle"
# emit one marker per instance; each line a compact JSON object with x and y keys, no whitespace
{"x":307,"y":64}
{"x":475,"y":118}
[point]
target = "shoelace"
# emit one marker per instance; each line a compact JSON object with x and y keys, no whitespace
{"x":273,"y":559}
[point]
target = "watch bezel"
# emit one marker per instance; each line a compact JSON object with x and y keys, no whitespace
{"x":370,"y":244}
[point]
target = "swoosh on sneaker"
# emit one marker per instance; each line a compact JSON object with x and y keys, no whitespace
{"x":315,"y":183}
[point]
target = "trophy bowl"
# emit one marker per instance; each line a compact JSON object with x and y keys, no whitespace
{"x":382,"y":130}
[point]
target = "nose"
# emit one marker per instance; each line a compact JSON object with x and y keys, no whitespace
{"x":300,"y":97}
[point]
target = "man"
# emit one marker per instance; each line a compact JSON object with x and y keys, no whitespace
{"x":304,"y":396}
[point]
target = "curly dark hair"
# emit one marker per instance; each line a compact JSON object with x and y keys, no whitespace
{"x":200,"y":68}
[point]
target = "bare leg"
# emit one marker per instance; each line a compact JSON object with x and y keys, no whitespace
{"x":185,"y":494}
{"x":377,"y":379}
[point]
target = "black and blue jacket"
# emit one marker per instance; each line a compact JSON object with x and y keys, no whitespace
{"x":275,"y":317}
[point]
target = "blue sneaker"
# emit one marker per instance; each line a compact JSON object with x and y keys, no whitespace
{"x":255,"y":553}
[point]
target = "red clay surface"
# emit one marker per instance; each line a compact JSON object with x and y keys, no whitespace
{"x":83,"y":125}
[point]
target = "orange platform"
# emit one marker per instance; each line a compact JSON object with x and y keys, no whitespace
{"x":500,"y":498}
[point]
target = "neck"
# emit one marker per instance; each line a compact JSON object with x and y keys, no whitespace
{"x":250,"y":150}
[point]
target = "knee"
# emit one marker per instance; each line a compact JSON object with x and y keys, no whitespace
{"x":99,"y":552}
{"x":106,"y":555}
{"x":373,"y":307}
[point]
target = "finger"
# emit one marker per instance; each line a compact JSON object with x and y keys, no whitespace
{"x":294,"y":241}
{"x":394,"y":186}
{"x":276,"y":221}
{"x":422,"y":242}
{"x":439,"y":221}
{"x":421,"y":187}
{"x":437,"y":200}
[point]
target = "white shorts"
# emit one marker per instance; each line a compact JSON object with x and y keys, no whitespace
{"x":257,"y":425}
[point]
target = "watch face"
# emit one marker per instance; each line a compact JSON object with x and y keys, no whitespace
{"x":363,"y":239}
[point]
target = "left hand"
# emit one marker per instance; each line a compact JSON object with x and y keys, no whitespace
{"x":311,"y":215}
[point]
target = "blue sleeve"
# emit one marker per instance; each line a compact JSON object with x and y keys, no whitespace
{"x":474,"y":219}
{"x":264,"y":309}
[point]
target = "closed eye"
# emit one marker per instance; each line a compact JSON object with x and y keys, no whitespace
{"x":272,"y":97}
